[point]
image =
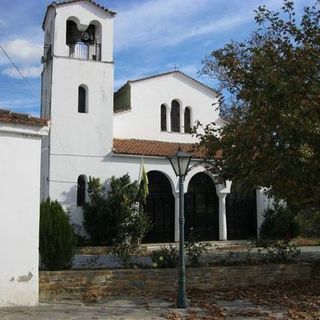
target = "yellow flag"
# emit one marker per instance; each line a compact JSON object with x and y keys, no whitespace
{"x":144,"y":180}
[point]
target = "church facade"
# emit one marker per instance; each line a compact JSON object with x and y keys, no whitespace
{"x":96,"y":132}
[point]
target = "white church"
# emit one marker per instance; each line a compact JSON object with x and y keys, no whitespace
{"x":96,"y":132}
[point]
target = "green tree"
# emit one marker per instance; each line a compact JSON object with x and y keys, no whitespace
{"x":57,"y":239}
{"x":116,"y":217}
{"x":272,"y":81}
{"x":97,"y":220}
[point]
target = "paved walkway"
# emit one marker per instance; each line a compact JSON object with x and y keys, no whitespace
{"x":137,"y":309}
{"x":111,"y":308}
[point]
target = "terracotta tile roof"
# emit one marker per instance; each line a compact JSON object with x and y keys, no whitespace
{"x":57,"y":4}
{"x":7,"y":116}
{"x":154,"y":148}
{"x":165,"y":74}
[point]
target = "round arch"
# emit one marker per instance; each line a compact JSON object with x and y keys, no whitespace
{"x":75,"y":20}
{"x":202,"y":208}
{"x":160,"y":206}
{"x":98,"y":31}
{"x":199,"y":169}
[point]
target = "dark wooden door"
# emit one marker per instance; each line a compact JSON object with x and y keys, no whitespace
{"x":202,"y":208}
{"x":241,"y":215}
{"x":160,"y":208}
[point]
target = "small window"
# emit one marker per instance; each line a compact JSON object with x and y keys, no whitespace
{"x":82,"y":100}
{"x":81,"y":191}
{"x":175,"y":116}
{"x":187,"y":120}
{"x":163,"y":118}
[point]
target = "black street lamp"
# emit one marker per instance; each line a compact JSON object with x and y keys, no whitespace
{"x":180,"y":164}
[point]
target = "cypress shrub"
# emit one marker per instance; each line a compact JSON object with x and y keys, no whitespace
{"x":279,"y":223}
{"x":57,"y":239}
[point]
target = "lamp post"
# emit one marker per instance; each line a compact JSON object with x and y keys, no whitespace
{"x":180,"y":164}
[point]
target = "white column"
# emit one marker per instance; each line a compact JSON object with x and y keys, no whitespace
{"x":222,"y":217}
{"x":168,"y":118}
{"x":176,"y":217}
{"x":181,"y":119}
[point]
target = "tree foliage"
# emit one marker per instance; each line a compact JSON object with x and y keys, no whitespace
{"x":272,"y":81}
{"x":116,"y":217}
{"x":279,"y":223}
{"x":57,"y":239}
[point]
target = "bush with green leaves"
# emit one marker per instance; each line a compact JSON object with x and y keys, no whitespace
{"x":166,"y":257}
{"x":309,"y":222}
{"x":278,"y":251}
{"x":96,"y":218}
{"x":195,"y":249}
{"x":57,"y":239}
{"x":116,"y":217}
{"x":279,"y":223}
{"x":265,"y":251}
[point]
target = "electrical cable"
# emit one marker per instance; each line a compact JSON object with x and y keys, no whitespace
{"x":20,"y":72}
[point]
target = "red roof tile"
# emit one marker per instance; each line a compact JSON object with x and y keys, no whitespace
{"x":154,"y":148}
{"x":7,"y":116}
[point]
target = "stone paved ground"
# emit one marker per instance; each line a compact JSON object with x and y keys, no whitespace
{"x":112,"y":308}
{"x":138,"y":309}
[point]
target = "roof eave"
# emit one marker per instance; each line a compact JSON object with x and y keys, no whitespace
{"x":54,"y":5}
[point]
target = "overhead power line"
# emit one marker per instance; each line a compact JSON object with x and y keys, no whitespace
{"x":19,"y":71}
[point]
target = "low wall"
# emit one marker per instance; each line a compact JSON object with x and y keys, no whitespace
{"x":98,"y":283}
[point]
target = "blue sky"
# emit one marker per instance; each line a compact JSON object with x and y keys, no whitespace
{"x":151,"y":36}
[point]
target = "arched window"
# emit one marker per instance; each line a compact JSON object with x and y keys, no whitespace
{"x":187,"y":120}
{"x":175,"y":116}
{"x":81,"y":190}
{"x":82,"y":100}
{"x":163,"y":118}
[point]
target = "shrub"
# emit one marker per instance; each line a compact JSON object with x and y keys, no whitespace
{"x":117,"y":217}
{"x":57,"y":238}
{"x":309,"y":222}
{"x":195,"y":249}
{"x":268,"y":251}
{"x":166,"y":257}
{"x":279,"y":223}
{"x":97,"y":220}
{"x":278,"y":251}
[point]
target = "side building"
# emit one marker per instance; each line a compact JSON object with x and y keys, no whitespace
{"x":20,"y":142}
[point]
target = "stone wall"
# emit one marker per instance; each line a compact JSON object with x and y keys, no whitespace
{"x":99,"y":283}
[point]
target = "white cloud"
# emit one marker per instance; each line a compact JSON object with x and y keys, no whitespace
{"x":21,"y":51}
{"x":154,"y":21}
{"x":28,"y":72}
{"x":2,"y":23}
{"x":163,"y":23}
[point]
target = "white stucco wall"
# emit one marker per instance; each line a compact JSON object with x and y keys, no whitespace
{"x":81,"y":133}
{"x":19,"y":214}
{"x":142,"y":121}
{"x":63,"y":181}
{"x":76,"y":135}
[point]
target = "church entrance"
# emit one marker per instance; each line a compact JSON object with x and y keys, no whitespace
{"x":241,"y":215}
{"x":202,"y":208}
{"x":160,"y":208}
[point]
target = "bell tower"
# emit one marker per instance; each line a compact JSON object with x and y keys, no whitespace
{"x":77,"y":94}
